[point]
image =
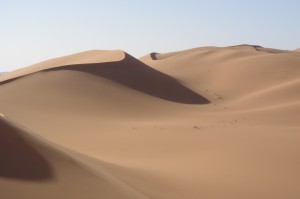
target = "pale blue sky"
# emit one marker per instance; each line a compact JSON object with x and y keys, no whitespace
{"x":35,"y":30}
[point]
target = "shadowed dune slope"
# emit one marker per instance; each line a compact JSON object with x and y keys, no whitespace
{"x":138,"y":76}
{"x":19,"y":159}
{"x":27,"y":159}
{"x":127,"y":72}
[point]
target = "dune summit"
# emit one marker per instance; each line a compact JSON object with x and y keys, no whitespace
{"x":209,"y":122}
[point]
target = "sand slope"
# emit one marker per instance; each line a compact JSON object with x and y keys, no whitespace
{"x":209,"y":122}
{"x":34,"y":168}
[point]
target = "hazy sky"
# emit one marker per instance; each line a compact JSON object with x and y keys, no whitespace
{"x":35,"y":30}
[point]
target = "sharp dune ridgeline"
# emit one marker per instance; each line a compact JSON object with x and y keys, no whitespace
{"x":209,"y":122}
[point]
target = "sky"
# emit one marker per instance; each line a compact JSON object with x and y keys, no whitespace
{"x":36,"y":30}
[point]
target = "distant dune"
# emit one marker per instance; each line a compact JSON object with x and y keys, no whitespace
{"x":209,"y":122}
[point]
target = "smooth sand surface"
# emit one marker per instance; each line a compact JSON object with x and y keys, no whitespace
{"x":209,"y":122}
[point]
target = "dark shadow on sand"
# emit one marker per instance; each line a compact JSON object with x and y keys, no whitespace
{"x":136,"y":75}
{"x":153,"y":56}
{"x":18,"y":159}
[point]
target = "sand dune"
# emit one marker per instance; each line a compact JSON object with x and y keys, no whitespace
{"x":127,"y":72}
{"x":208,"y":122}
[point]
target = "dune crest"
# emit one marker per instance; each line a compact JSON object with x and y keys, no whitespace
{"x":243,"y":47}
{"x":87,"y":57}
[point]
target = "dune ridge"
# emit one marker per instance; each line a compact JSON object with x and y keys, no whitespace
{"x":92,"y":56}
{"x":128,"y":71}
{"x":246,"y":47}
{"x":208,"y":122}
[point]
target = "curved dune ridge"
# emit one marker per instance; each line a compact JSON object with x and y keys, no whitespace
{"x":209,"y":122}
{"x":126,"y":71}
{"x":86,"y":57}
{"x":159,"y":56}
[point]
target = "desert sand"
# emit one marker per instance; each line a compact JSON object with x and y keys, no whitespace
{"x":210,"y":122}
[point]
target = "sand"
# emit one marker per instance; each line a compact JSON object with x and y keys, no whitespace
{"x":210,"y":122}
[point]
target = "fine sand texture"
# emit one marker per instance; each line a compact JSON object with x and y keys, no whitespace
{"x":209,"y":122}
